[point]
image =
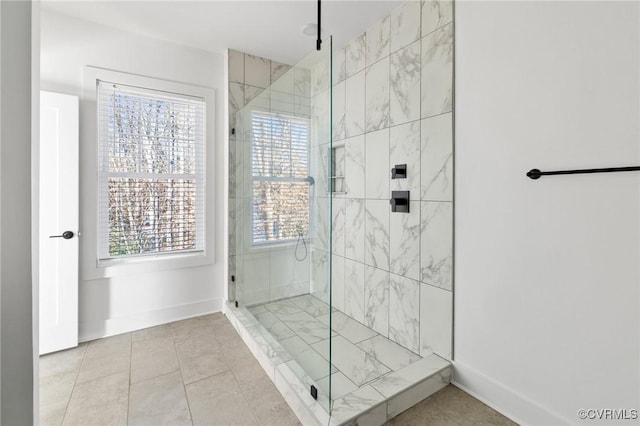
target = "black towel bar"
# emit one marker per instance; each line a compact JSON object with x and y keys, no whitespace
{"x":536,"y":173}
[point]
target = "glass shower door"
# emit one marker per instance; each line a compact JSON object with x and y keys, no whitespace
{"x":282,"y":205}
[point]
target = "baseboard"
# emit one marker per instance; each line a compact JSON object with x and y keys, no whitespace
{"x":506,"y":401}
{"x":112,"y":326}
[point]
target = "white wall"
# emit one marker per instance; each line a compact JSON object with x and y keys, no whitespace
{"x":15,"y":220}
{"x":152,"y":294}
{"x":546,"y":290}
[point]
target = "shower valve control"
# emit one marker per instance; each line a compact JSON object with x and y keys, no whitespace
{"x":399,"y":171}
{"x":399,"y":201}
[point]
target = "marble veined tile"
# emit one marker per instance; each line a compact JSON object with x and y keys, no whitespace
{"x":340,"y":385}
{"x":354,"y":109}
{"x":354,"y":230}
{"x":404,"y":81}
{"x":376,"y":300}
{"x":377,"y":233}
{"x":355,"y":52}
{"x":412,"y":396}
{"x":306,"y":327}
{"x":389,"y":353}
{"x":338,"y":61}
{"x":436,"y":244}
{"x":337,"y":225}
{"x":257,"y":71}
{"x":405,"y":24}
{"x":320,"y":274}
{"x":313,"y":364}
{"x":338,"y":111}
{"x":404,"y":242}
{"x":337,"y":282}
{"x":377,"y":173}
{"x":236,"y":66}
{"x":311,"y":305}
{"x":355,"y":403}
{"x":377,"y":95}
{"x":349,"y":328}
{"x":283,"y":307}
{"x":294,"y":345}
{"x":355,"y":167}
{"x":274,"y":325}
{"x":436,"y":320}
{"x":354,"y":289}
{"x":435,"y":14}
{"x":437,"y":72}
{"x":404,"y":148}
{"x":404,"y":312}
{"x":378,"y":41}
{"x":302,"y":82}
{"x":437,"y":158}
{"x":393,"y":383}
{"x":352,"y":361}
{"x":278,"y":70}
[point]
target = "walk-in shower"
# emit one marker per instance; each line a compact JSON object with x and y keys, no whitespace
{"x":344,"y":298}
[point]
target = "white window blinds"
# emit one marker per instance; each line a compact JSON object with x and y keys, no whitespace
{"x":150,"y":171}
{"x":279,"y":172}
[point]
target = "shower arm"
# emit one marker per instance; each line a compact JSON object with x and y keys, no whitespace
{"x":319,"y":40}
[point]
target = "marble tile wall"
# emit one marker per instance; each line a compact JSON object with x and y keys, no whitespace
{"x":392,"y":104}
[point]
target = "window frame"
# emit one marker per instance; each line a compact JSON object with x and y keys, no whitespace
{"x":91,"y":266}
{"x":261,"y":245}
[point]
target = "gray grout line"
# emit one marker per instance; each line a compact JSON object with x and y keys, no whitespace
{"x":184,"y":386}
{"x":75,"y":382}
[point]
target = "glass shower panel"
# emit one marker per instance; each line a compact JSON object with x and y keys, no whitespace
{"x":282,"y":210}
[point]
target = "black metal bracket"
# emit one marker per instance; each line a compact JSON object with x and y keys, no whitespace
{"x":399,"y":171}
{"x":314,"y":392}
{"x":399,"y":201}
{"x":536,"y":173}
{"x":319,"y":40}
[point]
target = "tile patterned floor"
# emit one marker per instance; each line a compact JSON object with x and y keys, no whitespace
{"x":196,"y":372}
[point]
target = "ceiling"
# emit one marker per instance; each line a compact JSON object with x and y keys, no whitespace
{"x":267,"y":28}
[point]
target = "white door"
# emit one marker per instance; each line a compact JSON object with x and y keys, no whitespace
{"x":58,"y":222}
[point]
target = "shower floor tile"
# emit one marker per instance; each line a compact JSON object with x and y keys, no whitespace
{"x":348,"y":327}
{"x":388,"y":352}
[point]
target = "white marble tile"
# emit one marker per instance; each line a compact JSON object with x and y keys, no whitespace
{"x":257,"y":97}
{"x":405,"y":24}
{"x":340,"y":385}
{"x":236,"y":101}
{"x":283,"y":308}
{"x":376,"y":246}
{"x":354,"y":229}
{"x":313,"y":364}
{"x":255,"y":279}
{"x":388,"y":352}
{"x":347,"y":327}
{"x":266,"y":348}
{"x":352,"y":361}
{"x":404,"y":83}
{"x":355,"y":55}
{"x":404,"y":312}
{"x":404,"y":148}
{"x":319,"y":78}
{"x":437,"y":158}
{"x":354,"y":404}
{"x":257,"y":71}
{"x":354,"y":289}
{"x":414,"y":395}
{"x":320,"y":274}
{"x":320,"y":215}
{"x":437,"y":72}
{"x":337,"y":282}
{"x":436,"y":244}
{"x":306,"y":327}
{"x":354,"y":109}
{"x":278,"y":70}
{"x":404,"y":242}
{"x":302,"y":82}
{"x":376,"y":300}
{"x":282,"y":102}
{"x":294,"y":345}
{"x":274,"y":325}
{"x":338,"y":226}
{"x":256,"y":309}
{"x":296,"y":392}
{"x":394,"y":383}
{"x":282,"y":264}
{"x":311,"y":305}
{"x":338,"y":111}
{"x":355,"y":167}
{"x":339,"y":63}
{"x":436,"y":320}
{"x":236,"y":66}
{"x":378,"y":41}
{"x":377,"y":170}
{"x":377,"y":95}
{"x":435,"y":14}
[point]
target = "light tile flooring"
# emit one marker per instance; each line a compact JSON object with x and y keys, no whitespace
{"x":197,"y":371}
{"x":359,"y":357}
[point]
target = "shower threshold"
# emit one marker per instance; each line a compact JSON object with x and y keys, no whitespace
{"x":373,"y":379}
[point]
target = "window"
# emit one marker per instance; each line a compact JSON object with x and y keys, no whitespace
{"x":151,"y":148}
{"x":280,"y":177}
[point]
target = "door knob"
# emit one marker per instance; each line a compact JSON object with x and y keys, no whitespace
{"x":67,"y":235}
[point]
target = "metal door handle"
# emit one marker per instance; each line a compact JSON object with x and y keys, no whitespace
{"x":67,"y":235}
